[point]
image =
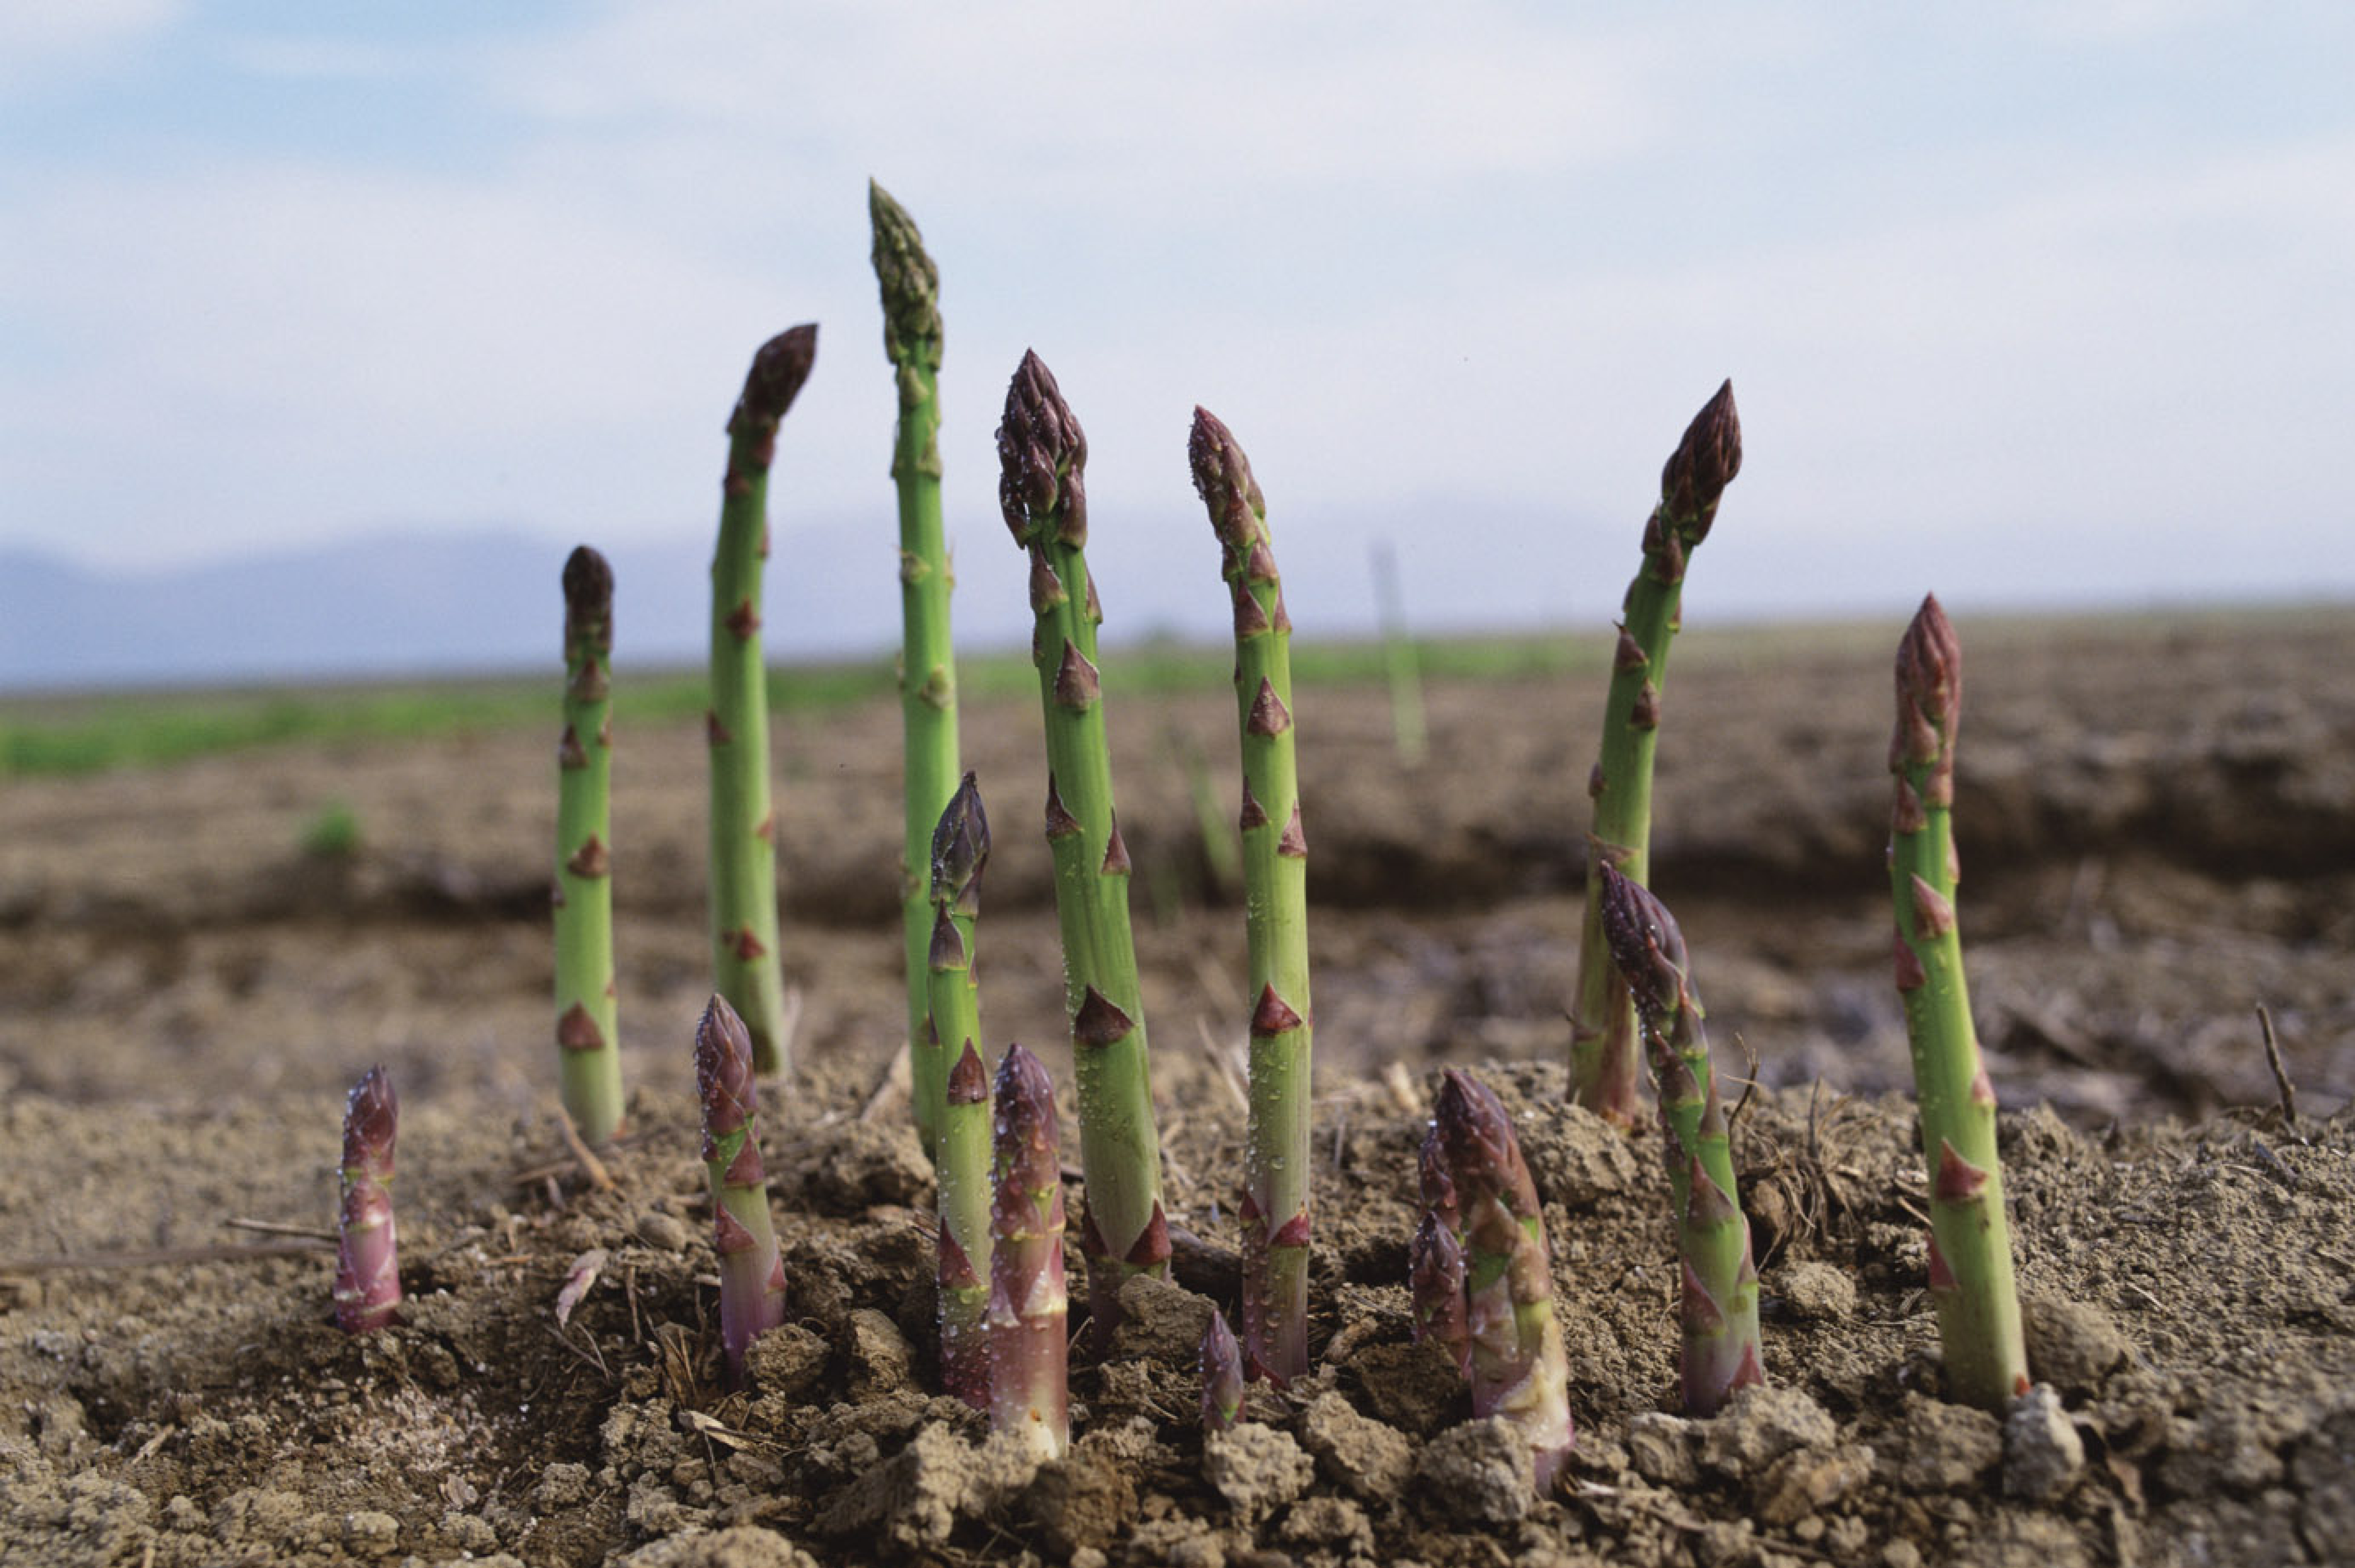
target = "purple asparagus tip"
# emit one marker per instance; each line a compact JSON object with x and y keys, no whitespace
{"x":1222,"y":1376}
{"x":588,"y":601}
{"x":1222,"y":478}
{"x":368,"y":1267}
{"x":1703,"y":464}
{"x":961,"y":848}
{"x":779,"y":368}
{"x":723,"y":1071}
{"x":1645,"y":943}
{"x":1042,"y":455}
{"x":1929,"y":698}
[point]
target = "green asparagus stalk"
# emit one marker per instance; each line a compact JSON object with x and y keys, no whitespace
{"x":367,"y":1264}
{"x":960,"y":849}
{"x":1603,"y":1057}
{"x":751,"y":1273}
{"x":1028,"y":1378}
{"x":588,"y":1056}
{"x":1043,"y":458}
{"x":1519,"y":1370}
{"x":1970,"y":1246}
{"x":1719,"y":1309}
{"x":912,"y":337}
{"x":1222,"y":1376}
{"x":1274,"y":1209}
{"x":743,"y":824}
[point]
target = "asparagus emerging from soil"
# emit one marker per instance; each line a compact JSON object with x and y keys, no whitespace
{"x":1970,"y":1246}
{"x":751,"y":1274}
{"x":1043,"y":458}
{"x":1436,"y":1262}
{"x":1274,"y":1210}
{"x":1222,"y":1376}
{"x":743,"y":825}
{"x":1719,"y":1310}
{"x":912,"y":337}
{"x":1603,"y":1025}
{"x":367,"y":1265}
{"x":960,"y":849}
{"x":1028,"y":1387}
{"x":1517,"y":1367}
{"x":588,"y":1058}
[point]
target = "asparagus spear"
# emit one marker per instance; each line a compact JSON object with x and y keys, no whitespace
{"x":588,"y":1058}
{"x":1517,"y":1367}
{"x":1043,"y":458}
{"x":912,"y":337}
{"x":1028,"y":1378}
{"x":743,"y":825}
{"x":367,"y":1265}
{"x":1436,"y":1262}
{"x":1970,"y":1246}
{"x":960,"y":849}
{"x":751,"y":1273}
{"x":1222,"y":1376}
{"x":1274,"y":1209}
{"x":1720,"y":1312}
{"x":1603,"y":1023}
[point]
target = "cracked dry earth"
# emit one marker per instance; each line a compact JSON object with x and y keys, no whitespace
{"x":2142,"y":874}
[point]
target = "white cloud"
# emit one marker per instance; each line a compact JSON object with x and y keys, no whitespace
{"x":41,"y":41}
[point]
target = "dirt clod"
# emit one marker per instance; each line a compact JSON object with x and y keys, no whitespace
{"x":1373,"y":1461}
{"x":1942,"y":1447}
{"x":1256,"y":1469}
{"x":881,"y":1359}
{"x":1160,"y":1321}
{"x":1815,"y":1292}
{"x":1415,"y":1387}
{"x":2071,"y":1344}
{"x":1663,"y":1448}
{"x":1762,"y":1425}
{"x":1477,"y":1470}
{"x":2042,"y":1453}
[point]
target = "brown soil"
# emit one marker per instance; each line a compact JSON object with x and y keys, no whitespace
{"x":2157,"y":823}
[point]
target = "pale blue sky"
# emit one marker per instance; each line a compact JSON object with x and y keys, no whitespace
{"x":2029,"y":302}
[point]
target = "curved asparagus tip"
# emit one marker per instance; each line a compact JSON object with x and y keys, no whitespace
{"x":1042,"y":455}
{"x":779,"y":368}
{"x":1645,"y":943}
{"x":588,"y":601}
{"x":1222,"y":478}
{"x":723,"y":1072}
{"x":911,"y":282}
{"x":1477,"y":1146}
{"x":961,"y":849}
{"x":1222,"y":1376}
{"x":367,"y":1264}
{"x":1028,"y":1302}
{"x":1703,"y":464}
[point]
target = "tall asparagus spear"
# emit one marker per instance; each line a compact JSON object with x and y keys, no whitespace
{"x":743,"y":825}
{"x":1602,"y":1054}
{"x":751,"y":1273}
{"x":1042,"y":458}
{"x":1720,"y":1311}
{"x":912,"y":337}
{"x":1970,"y":1246}
{"x":367,"y":1264}
{"x":1274,"y":1210}
{"x":1028,"y":1371}
{"x":960,"y":849}
{"x":1519,"y":1370}
{"x":588,"y":1058}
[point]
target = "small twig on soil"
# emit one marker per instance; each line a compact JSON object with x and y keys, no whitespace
{"x":582,"y":1155}
{"x":2273,"y":1060}
{"x":152,"y":1257}
{"x":273,"y":1228}
{"x":1748,"y":1084}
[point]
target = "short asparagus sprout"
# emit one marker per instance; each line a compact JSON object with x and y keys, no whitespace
{"x":743,"y":822}
{"x":1603,"y":1055}
{"x":368,"y":1262}
{"x":1719,"y":1298}
{"x":1276,"y":1164}
{"x":1222,"y":1376}
{"x":1517,"y":1364}
{"x":1970,"y":1244}
{"x":1029,"y":1376}
{"x":751,"y":1273}
{"x":1435,"y":1263}
{"x":588,"y":1056}
{"x":911,"y":339}
{"x":960,"y":849}
{"x":1042,"y":460}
